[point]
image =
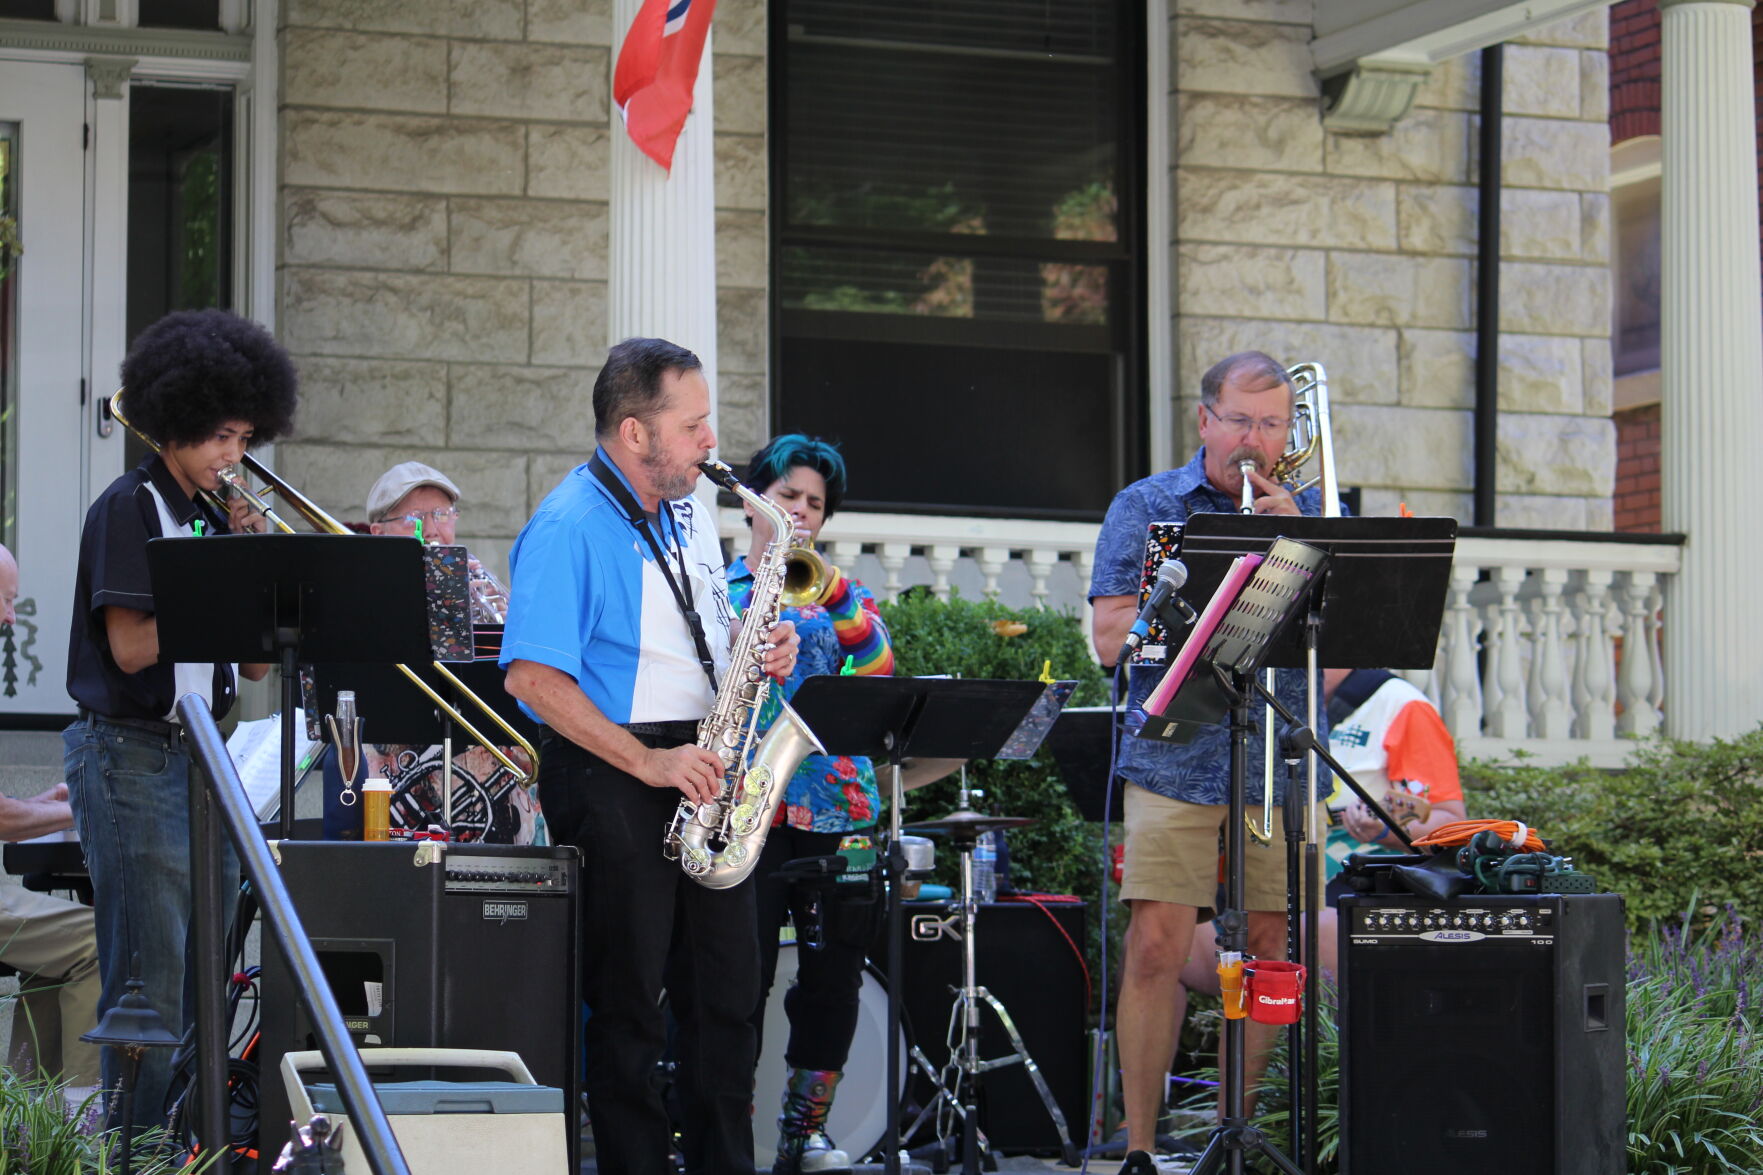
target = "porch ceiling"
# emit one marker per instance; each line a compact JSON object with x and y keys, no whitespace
{"x":1424,"y":32}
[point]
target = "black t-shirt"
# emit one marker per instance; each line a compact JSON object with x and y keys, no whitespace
{"x":113,"y":570}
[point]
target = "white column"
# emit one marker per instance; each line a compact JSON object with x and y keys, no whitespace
{"x":1712,"y":367}
{"x":661,"y":271}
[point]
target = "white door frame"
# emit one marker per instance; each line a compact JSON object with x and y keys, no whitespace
{"x":112,"y":59}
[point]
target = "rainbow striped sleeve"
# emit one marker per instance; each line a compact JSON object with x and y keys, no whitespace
{"x":863,"y":635}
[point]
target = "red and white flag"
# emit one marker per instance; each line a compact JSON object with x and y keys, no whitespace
{"x":657,"y":68}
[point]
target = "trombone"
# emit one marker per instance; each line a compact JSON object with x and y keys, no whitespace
{"x":1311,"y":436}
{"x":324,"y":523}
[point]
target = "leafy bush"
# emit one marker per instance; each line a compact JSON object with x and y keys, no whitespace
{"x":1682,"y":819}
{"x":1059,"y":853}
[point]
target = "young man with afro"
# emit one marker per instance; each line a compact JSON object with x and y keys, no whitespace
{"x":205,"y":385}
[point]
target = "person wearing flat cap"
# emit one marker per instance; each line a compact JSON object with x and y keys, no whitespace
{"x":489,"y":804}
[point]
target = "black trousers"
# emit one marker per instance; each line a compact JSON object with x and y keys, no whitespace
{"x":635,"y":904}
{"x":822,"y":1007}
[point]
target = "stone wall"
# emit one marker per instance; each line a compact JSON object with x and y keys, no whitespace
{"x":1358,"y":252}
{"x":443,"y":221}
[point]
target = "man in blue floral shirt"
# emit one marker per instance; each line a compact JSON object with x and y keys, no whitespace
{"x":1175,"y":807}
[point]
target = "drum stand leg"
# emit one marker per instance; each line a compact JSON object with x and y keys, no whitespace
{"x":963,"y":1039}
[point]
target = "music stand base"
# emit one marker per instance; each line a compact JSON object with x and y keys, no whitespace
{"x":1238,"y":1136}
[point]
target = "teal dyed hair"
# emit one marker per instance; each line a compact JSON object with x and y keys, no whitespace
{"x":782,"y":454}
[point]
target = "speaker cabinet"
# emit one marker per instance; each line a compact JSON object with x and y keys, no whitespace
{"x":1025,"y":962}
{"x":1483,"y":1034}
{"x":431,"y":946}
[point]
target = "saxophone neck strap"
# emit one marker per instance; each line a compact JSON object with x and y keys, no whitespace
{"x":680,"y":586}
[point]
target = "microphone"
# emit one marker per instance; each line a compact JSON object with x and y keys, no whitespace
{"x":1171,"y":575}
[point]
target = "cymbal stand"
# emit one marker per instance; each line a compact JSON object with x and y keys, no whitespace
{"x":965,"y":1066}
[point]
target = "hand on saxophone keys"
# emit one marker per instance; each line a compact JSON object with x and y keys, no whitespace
{"x":782,"y":647}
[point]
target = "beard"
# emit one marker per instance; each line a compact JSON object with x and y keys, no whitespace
{"x":671,"y":483}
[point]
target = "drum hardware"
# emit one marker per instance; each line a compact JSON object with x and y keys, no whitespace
{"x":957,"y":1082}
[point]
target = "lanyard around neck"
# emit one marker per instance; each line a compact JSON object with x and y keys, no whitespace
{"x":680,"y":587}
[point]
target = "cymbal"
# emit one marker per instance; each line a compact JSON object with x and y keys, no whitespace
{"x":970,"y":822}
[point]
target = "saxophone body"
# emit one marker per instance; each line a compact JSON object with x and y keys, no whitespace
{"x":718,"y":843}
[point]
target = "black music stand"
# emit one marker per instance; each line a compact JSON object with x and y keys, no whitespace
{"x":1081,"y":742}
{"x":1377,"y":603}
{"x":290,"y":599}
{"x":888,"y":719}
{"x":394,"y":711}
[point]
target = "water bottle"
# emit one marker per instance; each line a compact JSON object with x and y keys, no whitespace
{"x":985,"y":865}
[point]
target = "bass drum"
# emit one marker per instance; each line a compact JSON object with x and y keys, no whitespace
{"x":859,"y":1117}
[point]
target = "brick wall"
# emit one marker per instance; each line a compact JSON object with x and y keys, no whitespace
{"x":443,"y":251}
{"x":1634,"y":69}
{"x":1358,"y":251}
{"x":1637,"y":469}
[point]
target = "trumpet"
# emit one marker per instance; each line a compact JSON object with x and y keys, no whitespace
{"x":1311,"y":435}
{"x":322,"y":522}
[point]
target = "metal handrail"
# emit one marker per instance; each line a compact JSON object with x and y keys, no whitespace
{"x":366,"y":1114}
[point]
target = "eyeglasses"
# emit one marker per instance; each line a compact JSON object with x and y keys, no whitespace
{"x":1276,"y":425}
{"x":438,"y":514}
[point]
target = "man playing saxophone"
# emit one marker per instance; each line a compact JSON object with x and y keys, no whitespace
{"x":618,"y":633}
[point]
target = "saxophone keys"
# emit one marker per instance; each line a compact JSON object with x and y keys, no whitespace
{"x":743,"y":821}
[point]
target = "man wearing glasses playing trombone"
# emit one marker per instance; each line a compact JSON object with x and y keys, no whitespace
{"x":1176,"y":806}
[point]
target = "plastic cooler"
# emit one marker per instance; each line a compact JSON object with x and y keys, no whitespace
{"x":443,"y":1127}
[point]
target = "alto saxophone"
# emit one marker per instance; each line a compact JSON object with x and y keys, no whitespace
{"x":717,"y":843}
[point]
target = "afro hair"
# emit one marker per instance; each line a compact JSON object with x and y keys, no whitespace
{"x":194,"y":370}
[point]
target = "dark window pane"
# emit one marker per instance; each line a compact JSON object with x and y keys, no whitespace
{"x":27,"y":9}
{"x":976,"y":429}
{"x":878,"y":281}
{"x":180,"y":242}
{"x":891,"y":133}
{"x":956,"y":272}
{"x":1637,"y":277}
{"x":180,"y":14}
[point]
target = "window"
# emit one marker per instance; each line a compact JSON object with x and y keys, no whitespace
{"x":956,"y":285}
{"x":1634,"y":199}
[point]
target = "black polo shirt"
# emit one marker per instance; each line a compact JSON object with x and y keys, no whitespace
{"x":113,"y":570}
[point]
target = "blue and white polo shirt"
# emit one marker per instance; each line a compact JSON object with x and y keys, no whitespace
{"x":588,"y":600}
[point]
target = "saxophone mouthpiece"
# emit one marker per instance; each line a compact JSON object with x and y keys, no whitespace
{"x":719,"y":473}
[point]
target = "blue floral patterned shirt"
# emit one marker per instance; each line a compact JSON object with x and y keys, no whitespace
{"x":1197,"y":772}
{"x":828,"y":793}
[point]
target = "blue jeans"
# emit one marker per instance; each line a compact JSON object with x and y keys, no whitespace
{"x":129,"y":788}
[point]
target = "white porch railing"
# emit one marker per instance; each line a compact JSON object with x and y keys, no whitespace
{"x":1550,"y":646}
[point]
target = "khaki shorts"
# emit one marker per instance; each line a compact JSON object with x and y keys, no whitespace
{"x":1173,"y":854}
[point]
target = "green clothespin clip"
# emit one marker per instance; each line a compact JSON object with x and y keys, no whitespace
{"x":197,"y":528}
{"x":849,"y":668}
{"x":419,"y":530}
{"x":1046,"y":677}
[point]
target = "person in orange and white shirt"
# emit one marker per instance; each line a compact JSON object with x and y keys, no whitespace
{"x":1390,"y":737}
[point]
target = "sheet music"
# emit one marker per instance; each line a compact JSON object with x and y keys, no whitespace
{"x":256,"y":750}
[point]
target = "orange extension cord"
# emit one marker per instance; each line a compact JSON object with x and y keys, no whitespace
{"x":1461,"y":832}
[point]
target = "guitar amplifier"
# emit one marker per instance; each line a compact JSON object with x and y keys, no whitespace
{"x":1483,"y":1034}
{"x":431,"y":945}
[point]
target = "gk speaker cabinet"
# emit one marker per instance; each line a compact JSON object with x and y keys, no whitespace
{"x":1025,"y":962}
{"x":428,"y":945}
{"x":1483,"y":1034}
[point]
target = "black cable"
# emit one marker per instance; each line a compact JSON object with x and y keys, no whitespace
{"x":1097,"y":1076}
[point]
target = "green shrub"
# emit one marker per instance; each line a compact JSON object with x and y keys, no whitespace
{"x":1681,"y":819}
{"x":1059,"y":853}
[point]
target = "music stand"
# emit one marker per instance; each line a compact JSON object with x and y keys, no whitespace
{"x":1377,"y":603}
{"x":394,"y":711}
{"x":1081,"y":742}
{"x":288,"y":599}
{"x":887,"y":719}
